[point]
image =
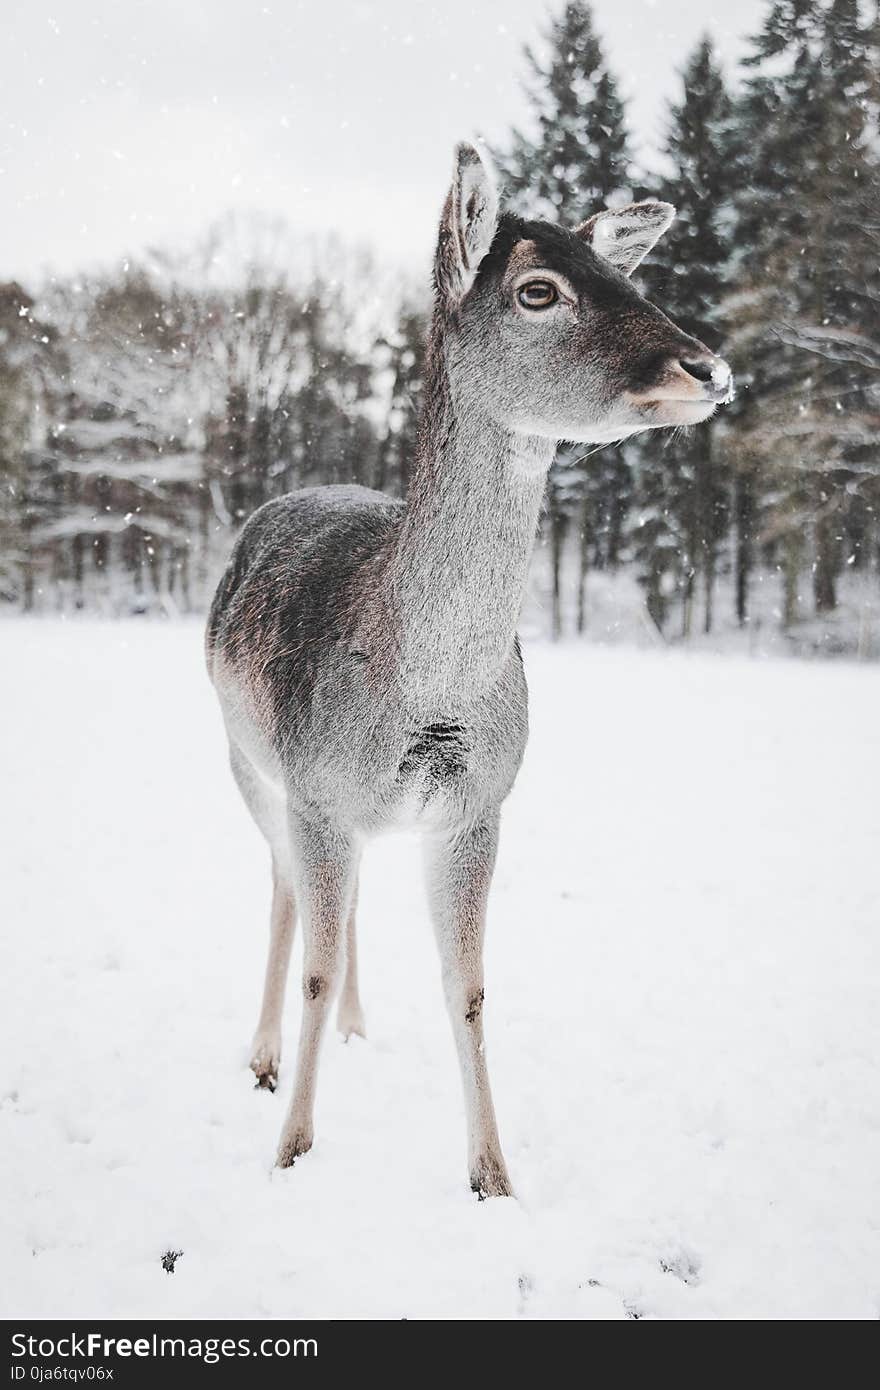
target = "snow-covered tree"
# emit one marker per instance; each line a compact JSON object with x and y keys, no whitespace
{"x":174,"y":409}
{"x":30,"y":363}
{"x":573,"y":159}
{"x":574,"y":156}
{"x":405,"y":349}
{"x":123,"y":441}
{"x":807,"y":269}
{"x":681,"y":513}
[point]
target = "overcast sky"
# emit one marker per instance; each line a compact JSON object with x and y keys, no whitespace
{"x":125,"y":123}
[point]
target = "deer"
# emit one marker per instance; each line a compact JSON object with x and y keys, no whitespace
{"x":364,"y":649}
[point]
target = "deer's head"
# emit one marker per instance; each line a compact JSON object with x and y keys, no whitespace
{"x":545,"y":330}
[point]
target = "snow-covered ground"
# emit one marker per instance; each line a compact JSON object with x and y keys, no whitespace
{"x":682,"y":1009}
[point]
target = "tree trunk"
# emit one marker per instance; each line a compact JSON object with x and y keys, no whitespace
{"x":709,"y":585}
{"x":792,"y":563}
{"x":558,"y":528}
{"x":617,"y":512}
{"x":583,"y":568}
{"x":709,"y":527}
{"x":154,"y":563}
{"x":655,"y":601}
{"x":825,"y":569}
{"x":203,"y":567}
{"x":76,"y":564}
{"x":185,"y":594}
{"x":381,"y":469}
{"x":27,"y":585}
{"x":104,"y":568}
{"x":744,"y":508}
{"x":687,"y":601}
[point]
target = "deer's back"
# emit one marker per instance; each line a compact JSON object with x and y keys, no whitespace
{"x":285,"y":600}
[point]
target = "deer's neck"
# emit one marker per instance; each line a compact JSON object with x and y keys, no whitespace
{"x":462,"y":553}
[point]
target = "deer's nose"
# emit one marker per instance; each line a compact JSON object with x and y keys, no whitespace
{"x":712,"y":372}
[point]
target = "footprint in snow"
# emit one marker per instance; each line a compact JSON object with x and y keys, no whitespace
{"x":684,"y":1264}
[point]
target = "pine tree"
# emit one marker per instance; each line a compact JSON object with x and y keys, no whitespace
{"x":578,"y":155}
{"x":806,"y":273}
{"x":682,"y":504}
{"x":405,"y":349}
{"x":574,"y":161}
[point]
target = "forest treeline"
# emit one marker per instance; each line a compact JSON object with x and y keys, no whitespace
{"x":145,"y":412}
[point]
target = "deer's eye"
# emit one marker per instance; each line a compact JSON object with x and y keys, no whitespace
{"x":537,"y":294}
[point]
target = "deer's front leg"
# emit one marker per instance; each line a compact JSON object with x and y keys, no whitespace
{"x":324,"y":873}
{"x":460,"y":866}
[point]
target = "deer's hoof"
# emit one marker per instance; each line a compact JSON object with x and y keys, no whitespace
{"x":489,"y":1177}
{"x":265,"y":1062}
{"x":292,"y":1147}
{"x":350,"y":1022}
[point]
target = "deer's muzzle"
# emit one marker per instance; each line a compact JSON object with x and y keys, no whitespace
{"x":713,"y":375}
{"x":695,"y":376}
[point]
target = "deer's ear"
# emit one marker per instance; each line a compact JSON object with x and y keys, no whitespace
{"x":468,"y":224}
{"x":624,"y":236}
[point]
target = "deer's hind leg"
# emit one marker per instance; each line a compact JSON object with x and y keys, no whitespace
{"x":350,"y":1015}
{"x":266,"y":1045}
{"x":269,"y":811}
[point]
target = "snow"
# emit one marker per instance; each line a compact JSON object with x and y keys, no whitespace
{"x":682,"y":976}
{"x":722,"y":380}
